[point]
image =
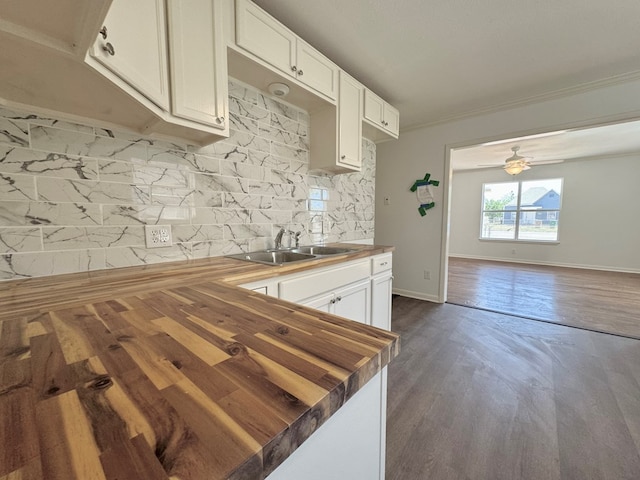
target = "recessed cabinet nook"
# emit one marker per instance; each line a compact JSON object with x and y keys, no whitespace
{"x":160,"y":68}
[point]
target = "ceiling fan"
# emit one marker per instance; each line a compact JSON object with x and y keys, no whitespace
{"x":517,"y":163}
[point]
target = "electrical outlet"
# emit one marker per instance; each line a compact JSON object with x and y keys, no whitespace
{"x":158,"y":236}
{"x":427,"y":275}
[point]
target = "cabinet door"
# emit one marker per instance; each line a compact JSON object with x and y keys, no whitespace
{"x":260,"y":34}
{"x":381,"y":288}
{"x":323,"y":303}
{"x":198,"y":61}
{"x":391,"y":119}
{"x":350,"y":122}
{"x":315,"y":70}
{"x":373,"y":108}
{"x":137,"y":33}
{"x":353,"y":302}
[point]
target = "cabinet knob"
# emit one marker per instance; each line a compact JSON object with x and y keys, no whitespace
{"x":300,"y":72}
{"x":219,"y":120}
{"x":338,"y":299}
{"x":343,"y":157}
{"x":103,"y":32}
{"x":109,"y":49}
{"x":294,"y":68}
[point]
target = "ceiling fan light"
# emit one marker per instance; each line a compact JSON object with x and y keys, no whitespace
{"x":514,"y":168}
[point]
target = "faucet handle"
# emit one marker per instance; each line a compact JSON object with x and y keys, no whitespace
{"x":297,"y":238}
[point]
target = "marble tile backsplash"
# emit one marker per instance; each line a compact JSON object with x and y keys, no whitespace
{"x":76,"y":198}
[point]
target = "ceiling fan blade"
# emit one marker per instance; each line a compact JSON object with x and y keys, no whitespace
{"x":546,"y":162}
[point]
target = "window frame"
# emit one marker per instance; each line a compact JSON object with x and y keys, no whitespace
{"x":518,"y":211}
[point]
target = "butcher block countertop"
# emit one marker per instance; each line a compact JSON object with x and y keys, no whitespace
{"x":171,"y":371}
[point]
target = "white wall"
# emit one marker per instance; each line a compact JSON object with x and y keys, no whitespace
{"x":598,"y":227}
{"x":419,"y":241}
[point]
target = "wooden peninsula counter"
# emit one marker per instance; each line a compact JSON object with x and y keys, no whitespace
{"x":171,"y":371}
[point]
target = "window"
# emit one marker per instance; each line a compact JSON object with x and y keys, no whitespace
{"x":528,"y":210}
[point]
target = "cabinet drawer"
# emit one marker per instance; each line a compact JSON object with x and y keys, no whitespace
{"x":381,"y":263}
{"x":314,"y":284}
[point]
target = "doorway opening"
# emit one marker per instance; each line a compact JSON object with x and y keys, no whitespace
{"x":572,"y":262}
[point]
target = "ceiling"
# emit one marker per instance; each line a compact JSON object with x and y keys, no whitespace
{"x":576,"y":144}
{"x":438,"y":60}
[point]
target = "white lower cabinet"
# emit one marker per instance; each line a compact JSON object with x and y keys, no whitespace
{"x":350,"y":445}
{"x":324,"y":302}
{"x":359,"y":290}
{"x":353,"y":302}
{"x":381,"y":289}
{"x":342,"y":290}
{"x":350,"y":302}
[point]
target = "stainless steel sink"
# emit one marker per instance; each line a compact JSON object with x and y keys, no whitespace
{"x":290,"y":255}
{"x":274,"y":257}
{"x":322,"y":250}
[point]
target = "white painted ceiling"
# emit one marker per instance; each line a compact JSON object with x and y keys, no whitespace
{"x":576,"y":144}
{"x":440,"y":59}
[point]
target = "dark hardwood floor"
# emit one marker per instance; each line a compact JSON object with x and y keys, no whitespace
{"x":476,"y":395}
{"x":592,"y":299}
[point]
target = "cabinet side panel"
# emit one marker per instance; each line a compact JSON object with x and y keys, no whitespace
{"x":348,"y":446}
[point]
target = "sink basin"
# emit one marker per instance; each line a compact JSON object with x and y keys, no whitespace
{"x":274,"y":257}
{"x":322,"y":250}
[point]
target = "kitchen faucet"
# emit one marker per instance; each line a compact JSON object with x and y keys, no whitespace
{"x":278,"y":240}
{"x":281,"y":233}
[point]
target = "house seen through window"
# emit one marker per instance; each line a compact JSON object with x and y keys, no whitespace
{"x":526,"y":210}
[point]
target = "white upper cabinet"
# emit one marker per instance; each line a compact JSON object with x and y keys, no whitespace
{"x":270,"y":41}
{"x":264,"y":36}
{"x":316,"y":70}
{"x":336,"y":133}
{"x":133,"y":45}
{"x":170,"y":55}
{"x":157,"y":67}
{"x":198,"y":62}
{"x":379,"y":114}
{"x":350,"y":122}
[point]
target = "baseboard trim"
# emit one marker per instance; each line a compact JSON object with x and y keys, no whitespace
{"x":416,"y":295}
{"x":551,"y":264}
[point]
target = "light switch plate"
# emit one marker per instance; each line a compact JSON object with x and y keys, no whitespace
{"x":158,"y":236}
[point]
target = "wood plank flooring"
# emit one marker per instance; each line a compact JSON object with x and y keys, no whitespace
{"x":476,"y":395}
{"x":592,"y":299}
